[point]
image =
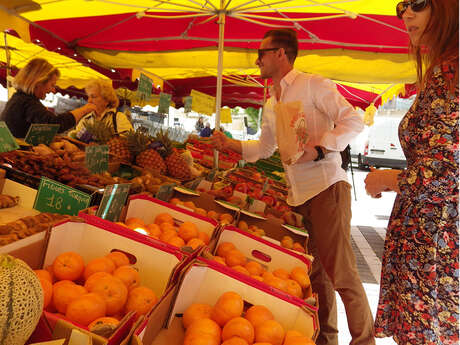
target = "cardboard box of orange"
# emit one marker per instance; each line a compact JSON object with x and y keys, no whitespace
{"x":94,"y":238}
{"x":205,"y":283}
{"x":147,"y":209}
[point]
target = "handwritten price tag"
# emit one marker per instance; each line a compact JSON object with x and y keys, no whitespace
{"x":97,"y":158}
{"x":55,"y":197}
{"x":39,"y":133}
{"x":7,"y":141}
{"x":112,"y":202}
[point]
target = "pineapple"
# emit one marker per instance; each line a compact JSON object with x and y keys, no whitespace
{"x":104,"y":135}
{"x":146,"y":157}
{"x":177,"y":166}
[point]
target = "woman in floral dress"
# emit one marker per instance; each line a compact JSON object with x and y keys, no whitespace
{"x":419,"y":283}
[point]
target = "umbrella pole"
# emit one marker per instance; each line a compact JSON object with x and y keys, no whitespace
{"x":8,"y":66}
{"x":220,"y":63}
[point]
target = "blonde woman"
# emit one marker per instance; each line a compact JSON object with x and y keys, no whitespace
{"x":32,"y":83}
{"x":103,"y":97}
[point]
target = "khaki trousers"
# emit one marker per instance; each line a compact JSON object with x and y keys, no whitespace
{"x":327,"y":217}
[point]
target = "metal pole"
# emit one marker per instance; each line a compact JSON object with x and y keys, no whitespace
{"x":8,"y":65}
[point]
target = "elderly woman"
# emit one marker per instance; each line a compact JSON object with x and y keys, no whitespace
{"x":32,"y":83}
{"x":102,"y":95}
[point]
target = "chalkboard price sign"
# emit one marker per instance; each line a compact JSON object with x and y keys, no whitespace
{"x":7,"y":141}
{"x":55,"y":197}
{"x":40,"y":133}
{"x":97,"y":158}
{"x":113,"y":200}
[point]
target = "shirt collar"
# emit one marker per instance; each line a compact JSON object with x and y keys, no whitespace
{"x":287,"y":80}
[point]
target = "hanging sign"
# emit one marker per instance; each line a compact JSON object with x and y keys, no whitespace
{"x":165,"y":192}
{"x":112,"y":202}
{"x":187,"y":104}
{"x":97,"y":158}
{"x":225,"y":115}
{"x":144,"y":87}
{"x":165,"y":101}
{"x":41,"y":133}
{"x":55,"y":197}
{"x":203,"y":103}
{"x":7,"y":141}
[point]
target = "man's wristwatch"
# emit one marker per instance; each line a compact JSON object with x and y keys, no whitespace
{"x":320,"y":151}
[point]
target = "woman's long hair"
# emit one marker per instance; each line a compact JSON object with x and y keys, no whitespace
{"x":441,"y":38}
{"x":37,"y":71}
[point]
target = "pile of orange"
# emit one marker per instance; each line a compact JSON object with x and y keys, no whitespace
{"x":296,"y":282}
{"x":223,"y":218}
{"x":100,"y":292}
{"x":165,"y":229}
{"x":226,"y":323}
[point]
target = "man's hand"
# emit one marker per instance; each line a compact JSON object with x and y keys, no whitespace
{"x":218,"y":140}
{"x":309,"y":155}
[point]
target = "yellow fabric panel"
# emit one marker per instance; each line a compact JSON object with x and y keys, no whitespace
{"x":337,"y":64}
{"x":73,"y":73}
{"x":386,"y":91}
{"x":21,"y":26}
{"x":83,"y":8}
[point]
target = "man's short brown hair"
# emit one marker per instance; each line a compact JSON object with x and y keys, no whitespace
{"x":287,"y":39}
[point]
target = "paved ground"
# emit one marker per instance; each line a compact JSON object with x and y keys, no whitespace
{"x":370,"y":218}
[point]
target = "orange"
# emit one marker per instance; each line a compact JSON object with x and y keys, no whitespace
{"x":200,"y":339}
{"x":224,"y":248}
{"x":175,"y":201}
{"x":187,"y":231}
{"x":226,"y":218}
{"x":201,"y":211}
{"x":300,"y":275}
{"x":168,"y":234}
{"x":154,"y":230}
{"x":86,"y":309}
{"x":213,"y":215}
{"x":103,"y":323}
{"x":257,"y":314}
{"x":113,"y":291}
{"x":176,"y":241}
{"x":44,"y":274}
{"x":254,"y":268}
{"x":281,"y":273}
{"x":203,"y":236}
{"x":68,"y":266}
{"x":204,"y":327}
{"x":238,"y":327}
{"x":47,"y":288}
{"x":65,"y":292}
{"x":270,"y":331}
{"x":195,"y":243}
{"x":276,"y":282}
{"x":118,"y":258}
{"x":164,"y":218}
{"x":140,"y":299}
{"x":241,"y":269}
{"x":259,"y":278}
{"x":89,"y":284}
{"x":298,"y":247}
{"x":190,"y":205}
{"x":228,"y":306}
{"x":235,"y":341}
{"x":296,"y":338}
{"x":134,"y":223}
{"x":195,"y":312}
{"x":220,"y":260}
{"x":167,"y":226}
{"x":128,"y":275}
{"x":235,"y":257}
{"x":293,"y":288}
{"x":103,"y":264}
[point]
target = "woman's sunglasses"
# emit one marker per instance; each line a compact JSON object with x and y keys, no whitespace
{"x":415,"y":5}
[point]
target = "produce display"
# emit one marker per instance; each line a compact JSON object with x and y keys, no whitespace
{"x":7,"y":201}
{"x":227,"y":322}
{"x":95,"y":295}
{"x":21,"y":301}
{"x":296,"y":282}
{"x":28,"y":226}
{"x":202,"y":152}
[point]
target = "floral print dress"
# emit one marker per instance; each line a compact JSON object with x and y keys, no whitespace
{"x":420,"y":269}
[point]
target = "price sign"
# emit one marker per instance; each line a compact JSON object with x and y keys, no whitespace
{"x":165,"y":101}
{"x":225,"y":115}
{"x":55,"y":197}
{"x":112,"y":202}
{"x":187,"y":104}
{"x":144,"y":87}
{"x":97,"y":158}
{"x":165,"y":192}
{"x":41,"y":133}
{"x":7,"y":141}
{"x":203,"y":103}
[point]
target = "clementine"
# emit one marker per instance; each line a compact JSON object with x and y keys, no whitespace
{"x":220,"y":260}
{"x":300,"y":275}
{"x":176,"y":241}
{"x":195,"y":243}
{"x":164,"y":218}
{"x":224,"y":248}
{"x":235,"y":341}
{"x":168,"y":234}
{"x":134,"y":223}
{"x":201,"y":211}
{"x":128,"y":275}
{"x":195,"y":312}
{"x":65,"y":292}
{"x":47,"y":288}
{"x":238,"y":327}
{"x":293,"y":288}
{"x":44,"y":274}
{"x":118,"y":258}
{"x":68,"y":266}
{"x":104,"y":325}
{"x":203,"y":236}
{"x":187,"y":231}
{"x":89,"y":284}
{"x":213,"y":215}
{"x":254,"y":268}
{"x":241,"y":269}
{"x":86,"y":309}
{"x":228,"y":306}
{"x":154,"y":230}
{"x":102,"y":264}
{"x":204,"y":327}
{"x":270,"y":331}
{"x":281,"y":273}
{"x":200,"y":339}
{"x":140,"y":299}
{"x":235,"y":257}
{"x":113,"y":291}
{"x":257,"y":314}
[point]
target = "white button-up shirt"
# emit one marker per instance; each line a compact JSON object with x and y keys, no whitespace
{"x":331,"y":121}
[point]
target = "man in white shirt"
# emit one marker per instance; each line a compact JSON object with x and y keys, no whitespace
{"x":318,"y":186}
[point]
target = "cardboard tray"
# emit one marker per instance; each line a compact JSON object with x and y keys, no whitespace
{"x":205,"y":283}
{"x":91,"y":239}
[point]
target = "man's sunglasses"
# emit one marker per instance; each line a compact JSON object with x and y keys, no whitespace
{"x":415,"y":5}
{"x":261,"y":52}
